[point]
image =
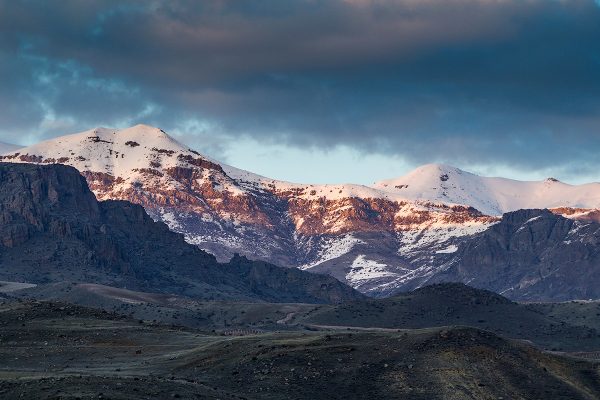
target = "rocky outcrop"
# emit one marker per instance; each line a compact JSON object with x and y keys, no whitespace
{"x":53,"y":229}
{"x":323,"y":216}
{"x":29,"y":203}
{"x":531,"y":255}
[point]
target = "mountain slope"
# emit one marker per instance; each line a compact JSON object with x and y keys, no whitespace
{"x":52,"y":229}
{"x":225,"y":210}
{"x":532,"y":255}
{"x":392,"y":236}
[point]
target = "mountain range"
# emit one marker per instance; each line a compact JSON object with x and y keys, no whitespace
{"x":437,"y":223}
{"x":169,"y":320}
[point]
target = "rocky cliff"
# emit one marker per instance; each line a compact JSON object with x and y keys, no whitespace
{"x":532,"y":255}
{"x":54,"y":229}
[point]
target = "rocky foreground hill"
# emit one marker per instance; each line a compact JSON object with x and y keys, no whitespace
{"x":53,"y":229}
{"x":90,"y":354}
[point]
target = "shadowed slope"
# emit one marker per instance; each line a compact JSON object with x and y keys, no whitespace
{"x":457,"y":304}
{"x":53,"y":229}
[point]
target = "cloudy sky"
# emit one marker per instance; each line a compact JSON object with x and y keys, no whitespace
{"x":315,"y":90}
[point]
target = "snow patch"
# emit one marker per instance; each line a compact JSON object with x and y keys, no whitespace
{"x":363,"y":270}
{"x":431,"y":236}
{"x":333,"y":248}
{"x":448,"y":250}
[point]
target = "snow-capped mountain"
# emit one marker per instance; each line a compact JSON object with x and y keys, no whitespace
{"x":377,"y":238}
{"x":491,"y":196}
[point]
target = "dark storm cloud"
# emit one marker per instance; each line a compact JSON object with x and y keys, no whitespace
{"x":463,"y":81}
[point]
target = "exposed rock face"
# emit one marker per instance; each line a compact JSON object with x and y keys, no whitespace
{"x":29,"y":202}
{"x":53,"y":229}
{"x":531,"y":255}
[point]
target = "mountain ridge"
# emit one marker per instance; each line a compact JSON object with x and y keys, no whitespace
{"x":496,"y":195}
{"x":417,"y":180}
{"x":382,"y":238}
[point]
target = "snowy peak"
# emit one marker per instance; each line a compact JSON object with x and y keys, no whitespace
{"x":141,"y":164}
{"x":215,"y":203}
{"x":116,"y":152}
{"x":491,"y":196}
{"x":428,"y":182}
{"x":149,"y":134}
{"x":445,"y":184}
{"x":435,"y":171}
